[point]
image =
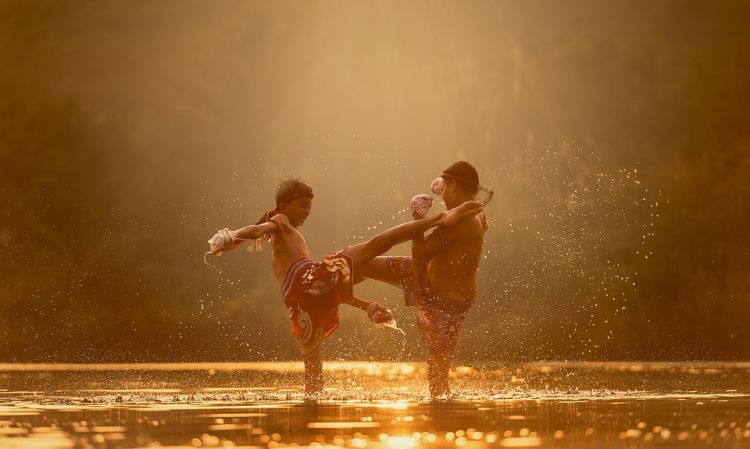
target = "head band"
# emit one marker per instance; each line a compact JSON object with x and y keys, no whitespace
{"x":438,"y":185}
{"x":458,"y":178}
{"x":300,"y":190}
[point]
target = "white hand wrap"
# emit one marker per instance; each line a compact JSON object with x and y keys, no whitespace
{"x":420,"y":205}
{"x":222,"y":241}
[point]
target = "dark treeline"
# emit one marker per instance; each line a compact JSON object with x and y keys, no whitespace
{"x":616,"y":136}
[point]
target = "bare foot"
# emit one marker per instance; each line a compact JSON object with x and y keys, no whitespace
{"x":458,"y":213}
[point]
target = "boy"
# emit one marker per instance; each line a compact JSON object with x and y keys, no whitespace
{"x":440,"y":277}
{"x":311,"y":290}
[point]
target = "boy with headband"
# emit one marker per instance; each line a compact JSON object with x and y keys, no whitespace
{"x":312,"y":291}
{"x":440,"y":277}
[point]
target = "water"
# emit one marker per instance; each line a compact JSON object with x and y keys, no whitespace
{"x":375,"y":405}
{"x":391,"y":324}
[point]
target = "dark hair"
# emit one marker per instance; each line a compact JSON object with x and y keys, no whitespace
{"x":464,"y":174}
{"x":286,"y":191}
{"x":292,"y":188}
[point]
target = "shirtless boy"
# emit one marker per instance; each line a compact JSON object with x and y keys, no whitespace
{"x":312,"y":291}
{"x":440,"y":277}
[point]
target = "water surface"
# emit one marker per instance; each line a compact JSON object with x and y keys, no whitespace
{"x":375,"y":405}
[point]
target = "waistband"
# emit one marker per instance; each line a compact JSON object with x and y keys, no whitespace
{"x":436,"y":302}
{"x":296,"y":267}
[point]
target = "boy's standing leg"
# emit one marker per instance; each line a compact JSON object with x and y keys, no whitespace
{"x":438,"y":367}
{"x":313,"y":374}
{"x":439,"y":361}
{"x":440,"y":329}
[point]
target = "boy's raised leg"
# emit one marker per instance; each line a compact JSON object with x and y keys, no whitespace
{"x":376,"y":269}
{"x":364,"y":252}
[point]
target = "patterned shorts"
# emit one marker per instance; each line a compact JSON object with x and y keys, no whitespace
{"x":312,"y":292}
{"x":439,"y":319}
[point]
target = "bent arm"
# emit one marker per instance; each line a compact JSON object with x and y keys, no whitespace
{"x":359,"y":303}
{"x":424,"y":249}
{"x":375,"y":312}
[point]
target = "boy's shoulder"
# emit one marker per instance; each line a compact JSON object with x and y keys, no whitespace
{"x":470,"y":229}
{"x":280,"y":219}
{"x":471,"y":225}
{"x":466,"y":230}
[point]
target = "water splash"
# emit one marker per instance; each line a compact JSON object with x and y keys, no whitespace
{"x":573,"y":236}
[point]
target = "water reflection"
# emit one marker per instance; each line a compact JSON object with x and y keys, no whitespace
{"x":556,"y":405}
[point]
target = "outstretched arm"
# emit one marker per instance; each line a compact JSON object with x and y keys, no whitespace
{"x":256,"y":231}
{"x":259,"y":230}
{"x":227,"y":240}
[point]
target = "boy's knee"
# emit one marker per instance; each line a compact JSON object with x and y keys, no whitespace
{"x":313,"y":360}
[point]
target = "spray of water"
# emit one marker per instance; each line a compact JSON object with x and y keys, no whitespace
{"x":562,"y":265}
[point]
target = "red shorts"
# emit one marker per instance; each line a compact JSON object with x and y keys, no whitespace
{"x":312,"y":291}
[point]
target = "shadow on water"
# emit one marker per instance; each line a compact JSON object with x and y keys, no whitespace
{"x":375,"y":405}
